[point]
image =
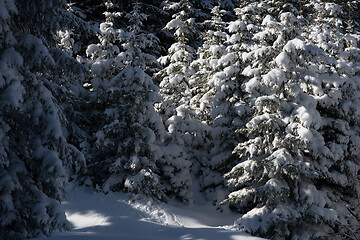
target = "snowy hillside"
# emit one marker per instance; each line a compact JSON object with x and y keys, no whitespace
{"x":112,"y":216}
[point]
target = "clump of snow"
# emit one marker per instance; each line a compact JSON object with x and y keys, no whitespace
{"x":295,"y":45}
{"x":282,"y":60}
{"x":252,"y":84}
{"x":269,"y":21}
{"x":236,"y":26}
{"x":92,"y":49}
{"x":249,"y":71}
{"x":175,"y":23}
{"x":306,"y":117}
{"x":275,"y":76}
{"x":305,"y":133}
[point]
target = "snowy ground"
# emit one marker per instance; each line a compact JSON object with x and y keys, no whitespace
{"x":113,"y":216}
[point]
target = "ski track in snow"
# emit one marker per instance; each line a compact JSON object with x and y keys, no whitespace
{"x":112,"y":216}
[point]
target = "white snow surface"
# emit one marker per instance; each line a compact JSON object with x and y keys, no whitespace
{"x":113,"y":216}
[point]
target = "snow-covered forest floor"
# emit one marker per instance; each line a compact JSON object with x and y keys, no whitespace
{"x":113,"y":216}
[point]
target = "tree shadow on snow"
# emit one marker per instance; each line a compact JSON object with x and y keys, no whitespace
{"x":98,"y":216}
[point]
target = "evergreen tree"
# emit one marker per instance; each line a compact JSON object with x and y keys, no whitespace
{"x":186,"y":133}
{"x":206,"y":65}
{"x":229,"y":109}
{"x":36,"y":158}
{"x":174,"y":84}
{"x":213,"y":88}
{"x":127,"y":145}
{"x":270,"y":99}
{"x":103,"y":61}
{"x":294,"y":179}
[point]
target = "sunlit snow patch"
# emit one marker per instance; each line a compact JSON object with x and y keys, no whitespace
{"x":195,"y":217}
{"x":89,"y":219}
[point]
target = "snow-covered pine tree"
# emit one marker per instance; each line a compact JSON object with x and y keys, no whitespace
{"x":174,"y":78}
{"x":327,"y":23}
{"x":186,"y":133}
{"x":337,"y":104}
{"x":103,"y":61}
{"x":229,"y":110}
{"x":157,"y":17}
{"x":297,"y":173}
{"x":36,"y":159}
{"x":206,"y":65}
{"x":127,"y":143}
{"x":205,"y":86}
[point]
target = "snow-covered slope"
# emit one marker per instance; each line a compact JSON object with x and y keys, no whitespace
{"x":113,"y":216}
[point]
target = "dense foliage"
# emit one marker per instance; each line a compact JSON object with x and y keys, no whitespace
{"x":252,"y":105}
